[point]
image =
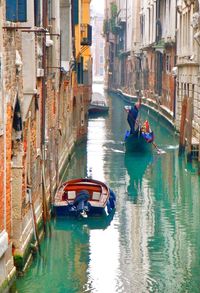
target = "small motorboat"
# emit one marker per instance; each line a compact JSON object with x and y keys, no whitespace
{"x":98,"y":106}
{"x":83,"y":197}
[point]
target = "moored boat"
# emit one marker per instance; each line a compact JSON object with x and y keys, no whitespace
{"x":98,"y":107}
{"x":84,"y":197}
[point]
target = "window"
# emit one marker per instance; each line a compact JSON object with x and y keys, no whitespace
{"x":37,"y":10}
{"x":168,"y":63}
{"x":101,"y":59}
{"x":50,"y":12}
{"x":16,"y":10}
{"x":75,"y":11}
{"x":101,"y":71}
{"x":79,"y":70}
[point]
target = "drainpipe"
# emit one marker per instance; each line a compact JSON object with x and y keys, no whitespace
{"x":174,"y":112}
{"x":4,"y":143}
{"x":126,"y":76}
{"x":126,"y":28}
{"x":44,"y":80}
{"x":4,"y":233}
{"x":44,"y":96}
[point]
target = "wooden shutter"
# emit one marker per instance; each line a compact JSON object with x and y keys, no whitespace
{"x":80,"y":71}
{"x":16,"y":10}
{"x":37,"y":12}
{"x":11,"y":10}
{"x":89,"y":35}
{"x":22,"y":14}
{"x":75,"y":11}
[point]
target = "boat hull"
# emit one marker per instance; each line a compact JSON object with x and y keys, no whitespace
{"x":83,"y":197}
{"x":65,"y":211}
{"x":137,"y":143}
{"x":98,"y":110}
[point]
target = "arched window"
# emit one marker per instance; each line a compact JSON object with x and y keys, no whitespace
{"x":17,"y":122}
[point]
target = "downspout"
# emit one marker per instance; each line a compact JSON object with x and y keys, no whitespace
{"x":44,"y":19}
{"x":4,"y":143}
{"x":126,"y":28}
{"x":44,"y":95}
{"x":175,"y":60}
{"x":125,"y":59}
{"x":4,"y":233}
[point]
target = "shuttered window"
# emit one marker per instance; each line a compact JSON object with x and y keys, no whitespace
{"x":75,"y":11}
{"x":16,"y":10}
{"x":80,"y":71}
{"x":37,"y":10}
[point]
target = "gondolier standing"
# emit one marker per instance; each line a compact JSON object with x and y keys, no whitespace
{"x":132,"y":115}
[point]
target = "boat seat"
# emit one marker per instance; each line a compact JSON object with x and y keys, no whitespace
{"x":71,"y":194}
{"x":96,"y":195}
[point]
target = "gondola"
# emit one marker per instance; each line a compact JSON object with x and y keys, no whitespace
{"x":139,"y":141}
{"x":98,"y":107}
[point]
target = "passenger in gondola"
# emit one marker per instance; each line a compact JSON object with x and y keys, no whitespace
{"x":146,"y":132}
{"x":132,"y":115}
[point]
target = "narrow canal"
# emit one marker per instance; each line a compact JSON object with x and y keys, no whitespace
{"x":152,"y":241}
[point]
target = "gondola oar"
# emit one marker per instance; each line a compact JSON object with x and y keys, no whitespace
{"x":159,"y":151}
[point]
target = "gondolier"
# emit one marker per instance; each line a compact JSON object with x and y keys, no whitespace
{"x":141,"y":138}
{"x":132,"y":115}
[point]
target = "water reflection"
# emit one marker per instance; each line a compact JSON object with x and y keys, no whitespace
{"x":95,"y":149}
{"x":91,"y":223}
{"x":137,"y":165}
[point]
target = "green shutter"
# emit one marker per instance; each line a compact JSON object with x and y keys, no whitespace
{"x":11,"y":10}
{"x":75,"y":11}
{"x":22,"y":13}
{"x":16,"y":10}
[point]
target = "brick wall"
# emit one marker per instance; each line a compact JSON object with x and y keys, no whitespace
{"x":13,"y":88}
{"x":8,"y":168}
{"x":1,"y":183}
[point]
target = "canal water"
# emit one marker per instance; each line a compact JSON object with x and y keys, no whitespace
{"x":151,"y":243}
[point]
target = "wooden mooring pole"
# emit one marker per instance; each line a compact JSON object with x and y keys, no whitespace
{"x":182,"y":126}
{"x":189,"y":117}
{"x":199,"y":158}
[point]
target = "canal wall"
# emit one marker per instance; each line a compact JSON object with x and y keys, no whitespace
{"x":150,"y":104}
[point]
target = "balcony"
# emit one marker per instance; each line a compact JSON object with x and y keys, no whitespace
{"x":86,"y":34}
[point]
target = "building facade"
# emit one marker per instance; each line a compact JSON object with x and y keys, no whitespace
{"x":152,"y":48}
{"x":98,"y":47}
{"x":45,"y":89}
{"x":188,"y":61}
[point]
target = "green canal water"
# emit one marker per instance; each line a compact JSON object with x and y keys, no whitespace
{"x":151,"y":243}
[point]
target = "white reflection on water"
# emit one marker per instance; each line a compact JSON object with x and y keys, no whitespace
{"x":104,"y":260}
{"x":104,"y":244}
{"x":95,"y":151}
{"x":122,"y":248}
